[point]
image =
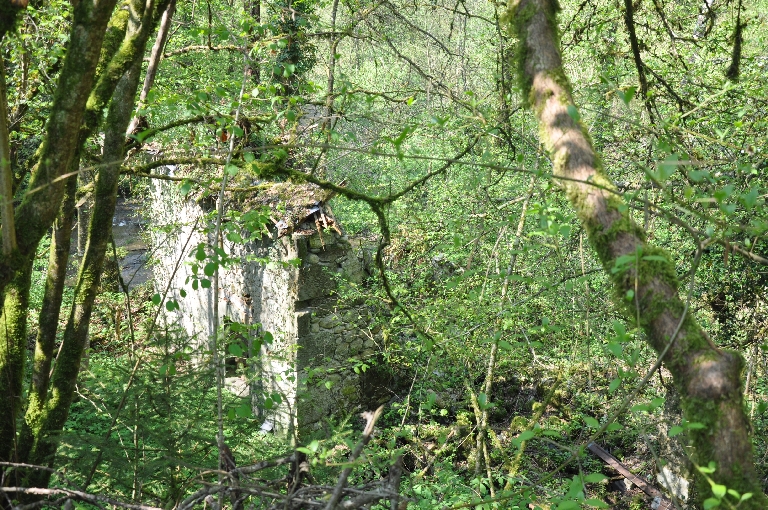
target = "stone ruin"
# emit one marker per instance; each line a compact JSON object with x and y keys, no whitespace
{"x":286,"y":282}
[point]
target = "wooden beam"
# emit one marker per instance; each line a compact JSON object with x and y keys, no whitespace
{"x":663,"y":503}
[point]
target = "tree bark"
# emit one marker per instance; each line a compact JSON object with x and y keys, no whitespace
{"x":708,"y":379}
{"x":154,"y":59}
{"x":6,"y":175}
{"x":43,"y":423}
{"x":40,"y":204}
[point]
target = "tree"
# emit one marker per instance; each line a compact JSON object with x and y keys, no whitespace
{"x":494,"y":300}
{"x":708,"y":378}
{"x":101,"y":64}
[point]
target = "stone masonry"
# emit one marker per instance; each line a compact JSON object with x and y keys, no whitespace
{"x":317,"y":343}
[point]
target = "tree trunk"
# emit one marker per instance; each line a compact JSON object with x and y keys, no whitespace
{"x":61,"y":241}
{"x":6,"y":174}
{"x":43,"y":423}
{"x":40,"y":204}
{"x":708,"y":379}
{"x":154,"y":60}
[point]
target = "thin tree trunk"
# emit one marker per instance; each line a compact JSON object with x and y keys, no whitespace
{"x":708,"y":379}
{"x":6,"y":176}
{"x":154,"y":59}
{"x":329,"y":97}
{"x":61,"y":241}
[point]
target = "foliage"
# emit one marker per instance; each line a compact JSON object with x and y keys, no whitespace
{"x":423,"y":100}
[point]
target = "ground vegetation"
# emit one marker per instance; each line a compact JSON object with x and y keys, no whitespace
{"x":564,"y":203}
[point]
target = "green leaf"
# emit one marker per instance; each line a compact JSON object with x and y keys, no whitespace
{"x":524,"y":436}
{"x":718,"y":490}
{"x":573,"y":112}
{"x":627,"y":94}
{"x":210,"y":268}
{"x":656,"y":258}
{"x":667,"y":167}
{"x":614,"y":426}
{"x":614,"y":385}
{"x":675,"y":431}
{"x":185,"y":187}
{"x":591,"y":422}
{"x":596,"y":503}
{"x":235,"y":349}
{"x":595,"y":478}
{"x":749,"y":199}
{"x":232,"y":170}
{"x":171,"y":305}
{"x":711,"y":503}
{"x":243,"y":410}
{"x":204,"y":283}
{"x":156,"y":299}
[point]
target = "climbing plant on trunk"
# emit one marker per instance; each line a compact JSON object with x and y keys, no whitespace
{"x":708,"y":379}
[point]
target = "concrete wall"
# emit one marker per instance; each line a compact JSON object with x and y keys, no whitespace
{"x":314,"y":333}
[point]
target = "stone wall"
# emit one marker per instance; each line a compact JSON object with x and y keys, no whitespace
{"x":315,"y":335}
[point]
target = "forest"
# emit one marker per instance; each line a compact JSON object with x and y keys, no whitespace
{"x":541,"y":285}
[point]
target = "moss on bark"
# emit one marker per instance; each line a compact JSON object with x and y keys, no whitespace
{"x":44,"y":422}
{"x":13,"y":335}
{"x":707,"y":378}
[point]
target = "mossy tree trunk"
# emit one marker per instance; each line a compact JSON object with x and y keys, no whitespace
{"x":61,"y":240}
{"x":709,"y":380}
{"x":44,"y":419}
{"x":40,"y":204}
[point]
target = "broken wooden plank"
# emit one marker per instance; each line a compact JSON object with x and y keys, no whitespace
{"x":660,"y":502}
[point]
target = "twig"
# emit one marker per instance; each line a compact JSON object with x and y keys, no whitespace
{"x":370,"y":418}
{"x":94,"y":499}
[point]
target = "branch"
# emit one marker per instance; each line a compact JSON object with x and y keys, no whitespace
{"x":94,"y":499}
{"x":629,"y":21}
{"x":371,"y":418}
{"x":145,"y":169}
{"x":199,"y":47}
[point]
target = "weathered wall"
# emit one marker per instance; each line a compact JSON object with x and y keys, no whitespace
{"x":313,"y":332}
